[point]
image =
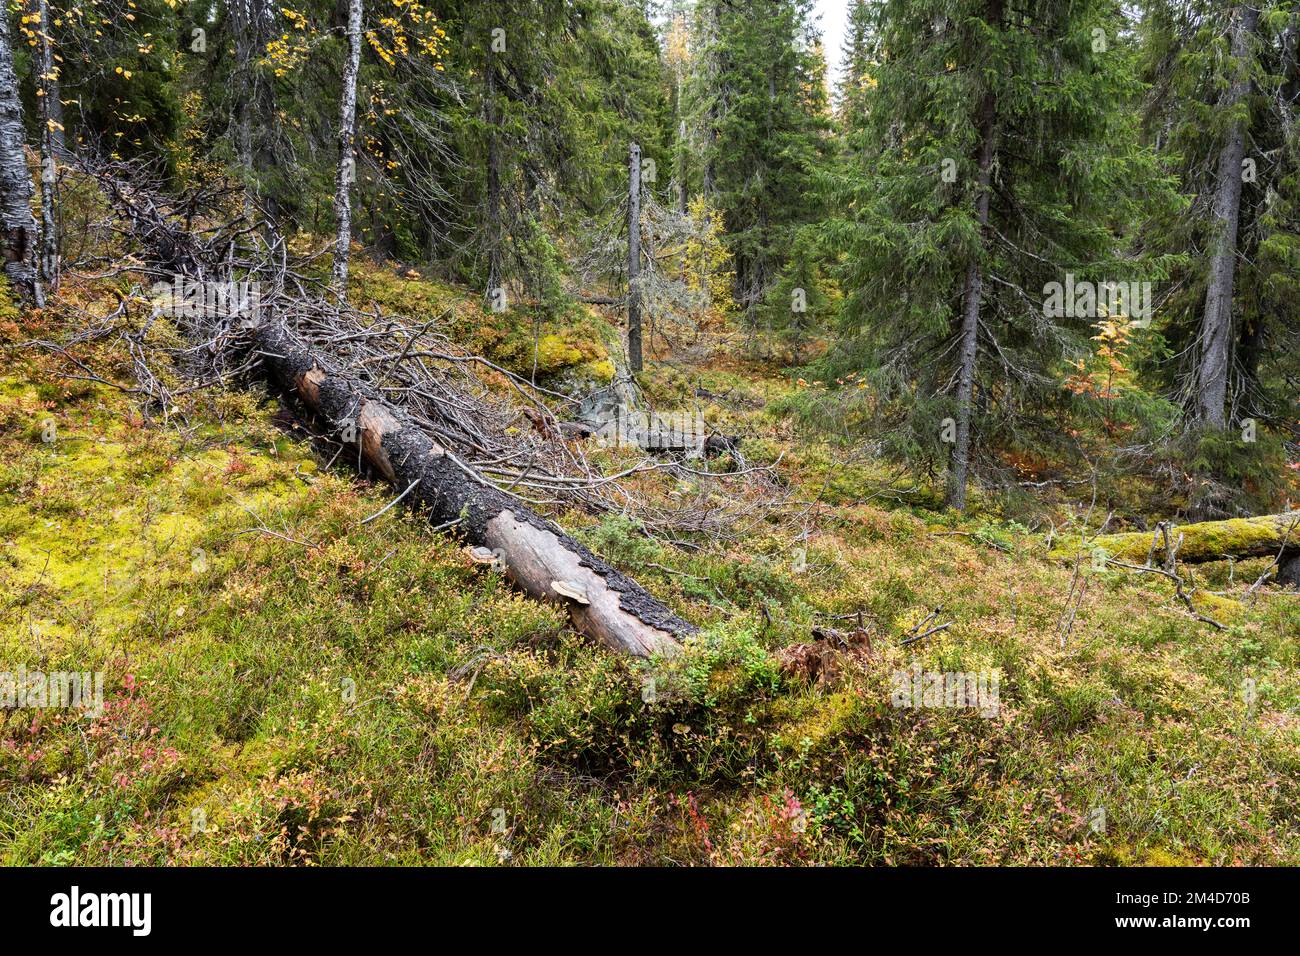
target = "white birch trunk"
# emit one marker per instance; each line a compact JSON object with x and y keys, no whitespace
{"x":346,"y":175}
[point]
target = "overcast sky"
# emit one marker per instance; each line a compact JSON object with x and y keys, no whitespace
{"x":832,"y":23}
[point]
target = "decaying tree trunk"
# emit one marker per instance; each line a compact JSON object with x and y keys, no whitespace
{"x":18,"y":234}
{"x":1288,"y":571}
{"x":534,"y":554}
{"x":1261,"y":537}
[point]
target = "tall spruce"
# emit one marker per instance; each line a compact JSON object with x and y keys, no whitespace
{"x":761,"y":99}
{"x":1216,"y":320}
{"x":992,"y":155}
{"x":1223,"y":114}
{"x":1223,"y":110}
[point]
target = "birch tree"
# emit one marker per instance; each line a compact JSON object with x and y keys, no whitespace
{"x":347,"y":151}
{"x":18,"y":233}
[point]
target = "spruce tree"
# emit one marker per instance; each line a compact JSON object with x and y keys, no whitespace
{"x":993,"y":155}
{"x":761,"y":100}
{"x":1223,"y":113}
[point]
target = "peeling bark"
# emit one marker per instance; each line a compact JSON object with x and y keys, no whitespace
{"x":346,"y":174}
{"x":535,"y":554}
{"x":18,"y":233}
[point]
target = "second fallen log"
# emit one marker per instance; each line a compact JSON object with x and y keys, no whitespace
{"x":1259,"y":537}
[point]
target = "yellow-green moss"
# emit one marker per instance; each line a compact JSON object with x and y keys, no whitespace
{"x":806,"y":723}
{"x":116,"y":512}
{"x":1205,"y":541}
{"x":9,"y":311}
{"x":601,"y":371}
{"x":240,"y":665}
{"x":554,"y":353}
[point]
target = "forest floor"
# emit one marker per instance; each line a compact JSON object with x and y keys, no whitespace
{"x":287,"y":685}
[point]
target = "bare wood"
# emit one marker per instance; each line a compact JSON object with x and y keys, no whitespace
{"x":634,"y":258}
{"x":535,"y":554}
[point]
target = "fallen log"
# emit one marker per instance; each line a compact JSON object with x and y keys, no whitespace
{"x":1259,"y":537}
{"x":1267,"y":536}
{"x":537,"y":556}
{"x":534,"y":554}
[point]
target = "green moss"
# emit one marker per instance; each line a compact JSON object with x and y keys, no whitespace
{"x":554,"y":353}
{"x":1206,"y":541}
{"x":806,"y":724}
{"x":602,"y":371}
{"x":346,"y":694}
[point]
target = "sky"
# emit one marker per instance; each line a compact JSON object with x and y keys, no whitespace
{"x":833,"y":22}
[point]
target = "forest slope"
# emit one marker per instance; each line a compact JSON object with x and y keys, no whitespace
{"x":285,"y":684}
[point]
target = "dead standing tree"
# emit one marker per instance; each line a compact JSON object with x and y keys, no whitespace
{"x":634,"y":258}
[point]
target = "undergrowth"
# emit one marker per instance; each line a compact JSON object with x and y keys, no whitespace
{"x":287,"y":685}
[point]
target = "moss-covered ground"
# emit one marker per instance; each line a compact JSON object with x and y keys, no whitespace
{"x":287,"y":685}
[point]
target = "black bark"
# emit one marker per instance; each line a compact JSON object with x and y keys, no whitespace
{"x":535,"y":554}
